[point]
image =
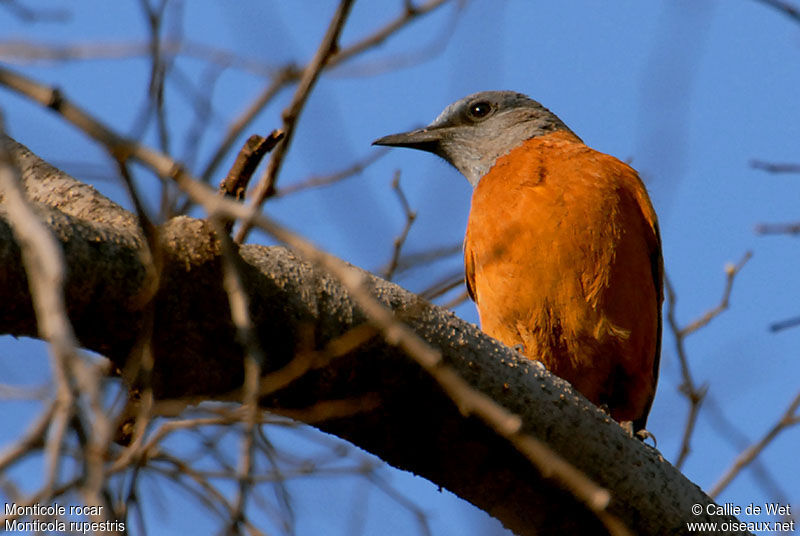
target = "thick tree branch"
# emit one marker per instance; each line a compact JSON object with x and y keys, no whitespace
{"x":295,"y":305}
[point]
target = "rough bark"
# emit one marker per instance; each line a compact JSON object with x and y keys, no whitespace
{"x":294,"y":304}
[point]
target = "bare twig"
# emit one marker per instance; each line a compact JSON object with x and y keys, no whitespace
{"x":159,"y":67}
{"x":151,"y":256}
{"x":75,"y":375}
{"x":731,"y":270}
{"x":773,"y":167}
{"x":318,"y":181}
{"x":409,"y":57}
{"x":789,"y":418}
{"x":784,"y":7}
{"x":199,"y":95}
{"x":778,"y":228}
{"x":405,"y":502}
{"x":253,"y":364}
{"x":19,"y":52}
{"x":182,"y":473}
{"x":409,"y":14}
{"x":291,"y":114}
{"x":458,"y":300}
{"x":730,"y":431}
{"x":283,"y":77}
{"x":694,"y":393}
{"x":27,"y":14}
{"x":290,"y":74}
{"x":326,"y":410}
{"x":785,"y":324}
{"x":304,"y":361}
{"x":424,"y":258}
{"x":34,"y":437}
{"x":443,"y":286}
{"x":120,"y":148}
{"x":235,"y":183}
{"x":44,"y":266}
{"x":307,"y":360}
{"x":410,"y":216}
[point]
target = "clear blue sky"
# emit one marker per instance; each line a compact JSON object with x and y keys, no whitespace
{"x":688,"y":92}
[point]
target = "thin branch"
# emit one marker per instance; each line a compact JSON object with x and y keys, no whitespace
{"x":20,"y":52}
{"x":778,"y":228}
{"x":694,"y":393}
{"x":730,"y":431}
{"x":411,"y":216}
{"x":148,"y":449}
{"x":44,"y":266}
{"x":399,"y":498}
{"x":443,"y":286}
{"x":318,"y":181}
{"x":291,"y":114}
{"x":235,"y":183}
{"x":785,"y":324}
{"x":290,"y":74}
{"x":784,"y":7}
{"x":327,"y":410}
{"x":119,"y":147}
{"x":254,"y":360}
{"x":307,"y":359}
{"x":458,"y":300}
{"x":39,"y":497}
{"x":34,"y":437}
{"x":182,"y":473}
{"x":407,"y":58}
{"x":135,"y":416}
{"x":731,"y":271}
{"x":159,"y":66}
{"x":27,"y":14}
{"x":75,"y":375}
{"x":423,"y":258}
{"x":235,"y":129}
{"x":410,"y":13}
{"x":789,"y":418}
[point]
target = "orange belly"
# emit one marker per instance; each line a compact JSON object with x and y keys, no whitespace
{"x":563,"y":256}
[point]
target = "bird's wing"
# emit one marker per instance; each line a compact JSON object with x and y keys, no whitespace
{"x":469,"y":267}
{"x":657,"y":268}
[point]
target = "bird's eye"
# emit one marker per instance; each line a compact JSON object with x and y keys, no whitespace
{"x":479,"y":110}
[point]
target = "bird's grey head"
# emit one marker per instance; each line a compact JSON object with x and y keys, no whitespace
{"x":472,"y":133}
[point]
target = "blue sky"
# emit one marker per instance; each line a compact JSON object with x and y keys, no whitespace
{"x":689,"y":92}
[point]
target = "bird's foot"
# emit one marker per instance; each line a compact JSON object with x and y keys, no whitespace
{"x":642,"y":434}
{"x":628,"y":427}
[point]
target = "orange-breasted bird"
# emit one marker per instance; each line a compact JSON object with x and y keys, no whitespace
{"x":562,"y":251}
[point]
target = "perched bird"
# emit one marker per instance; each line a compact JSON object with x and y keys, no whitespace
{"x":562,"y":250}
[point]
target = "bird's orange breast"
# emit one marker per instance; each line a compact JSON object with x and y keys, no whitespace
{"x":563,"y":256}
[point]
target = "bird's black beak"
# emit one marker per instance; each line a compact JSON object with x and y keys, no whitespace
{"x":424,"y":139}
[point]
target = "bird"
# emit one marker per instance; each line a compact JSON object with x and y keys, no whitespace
{"x":562,"y":251}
